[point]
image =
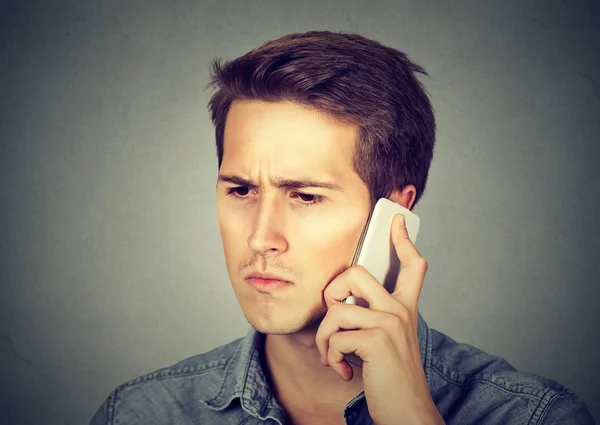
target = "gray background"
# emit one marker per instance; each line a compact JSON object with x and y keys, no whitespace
{"x":111,"y":262}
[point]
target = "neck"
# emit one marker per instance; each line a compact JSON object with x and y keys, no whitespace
{"x":293,"y":364}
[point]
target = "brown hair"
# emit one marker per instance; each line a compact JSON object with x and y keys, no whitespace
{"x":351,"y":79}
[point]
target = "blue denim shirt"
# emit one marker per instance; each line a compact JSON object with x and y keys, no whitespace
{"x":228,"y":385}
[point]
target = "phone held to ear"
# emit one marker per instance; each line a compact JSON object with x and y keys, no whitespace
{"x":376,"y":251}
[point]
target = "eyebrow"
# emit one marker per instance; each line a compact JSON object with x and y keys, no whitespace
{"x":280,"y":182}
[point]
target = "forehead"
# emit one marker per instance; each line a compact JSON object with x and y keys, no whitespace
{"x":286,"y":137}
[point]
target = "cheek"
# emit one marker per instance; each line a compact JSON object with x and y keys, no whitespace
{"x":333,"y":243}
{"x":231,"y":230}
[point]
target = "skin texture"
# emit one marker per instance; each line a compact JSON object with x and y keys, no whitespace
{"x":384,"y":336}
{"x":308,"y":236}
{"x":273,"y":229}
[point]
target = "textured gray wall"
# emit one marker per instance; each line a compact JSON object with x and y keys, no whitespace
{"x":111,"y":261}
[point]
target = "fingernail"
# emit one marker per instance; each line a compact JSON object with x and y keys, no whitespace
{"x":402,"y":220}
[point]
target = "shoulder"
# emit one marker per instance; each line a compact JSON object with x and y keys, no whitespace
{"x":170,"y":394}
{"x":469,"y":385}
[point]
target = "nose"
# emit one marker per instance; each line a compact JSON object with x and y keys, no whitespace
{"x":267,"y":238}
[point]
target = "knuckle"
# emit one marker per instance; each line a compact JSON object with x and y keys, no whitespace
{"x":356,"y":271}
{"x":319,"y":336}
{"x":422,"y":263}
{"x":333,"y":351}
{"x":333,"y":340}
{"x":378,"y":337}
{"x":327,"y":291}
{"x":335,"y":307}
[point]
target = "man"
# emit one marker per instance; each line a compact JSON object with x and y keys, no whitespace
{"x":311,"y":130}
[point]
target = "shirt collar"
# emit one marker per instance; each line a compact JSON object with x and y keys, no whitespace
{"x":243,"y":377}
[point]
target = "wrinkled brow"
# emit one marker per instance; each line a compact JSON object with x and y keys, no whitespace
{"x":281,"y":182}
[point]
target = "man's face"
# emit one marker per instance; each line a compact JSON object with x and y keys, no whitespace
{"x":304,"y":235}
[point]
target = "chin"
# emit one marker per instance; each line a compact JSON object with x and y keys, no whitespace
{"x":269,"y":325}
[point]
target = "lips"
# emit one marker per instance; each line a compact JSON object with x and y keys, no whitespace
{"x":267,"y":281}
{"x":267,"y":276}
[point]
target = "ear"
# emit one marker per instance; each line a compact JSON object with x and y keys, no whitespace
{"x":405,"y":197}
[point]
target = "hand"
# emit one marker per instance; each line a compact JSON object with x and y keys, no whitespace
{"x":384,"y":336}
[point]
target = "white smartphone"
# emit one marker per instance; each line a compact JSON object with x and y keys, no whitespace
{"x":376,"y":251}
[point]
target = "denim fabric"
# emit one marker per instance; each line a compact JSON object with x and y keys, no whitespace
{"x":228,"y":386}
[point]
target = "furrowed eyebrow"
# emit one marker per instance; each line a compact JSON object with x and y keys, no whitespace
{"x":281,"y":183}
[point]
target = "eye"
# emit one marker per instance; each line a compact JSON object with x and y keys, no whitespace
{"x":307,"y":198}
{"x":239,"y":191}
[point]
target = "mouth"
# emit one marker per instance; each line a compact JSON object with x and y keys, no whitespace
{"x":266,"y":282}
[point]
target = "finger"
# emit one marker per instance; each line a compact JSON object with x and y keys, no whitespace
{"x":414,"y":267}
{"x":344,"y":317}
{"x":357,"y":281}
{"x":341,"y":344}
{"x":364,"y":343}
